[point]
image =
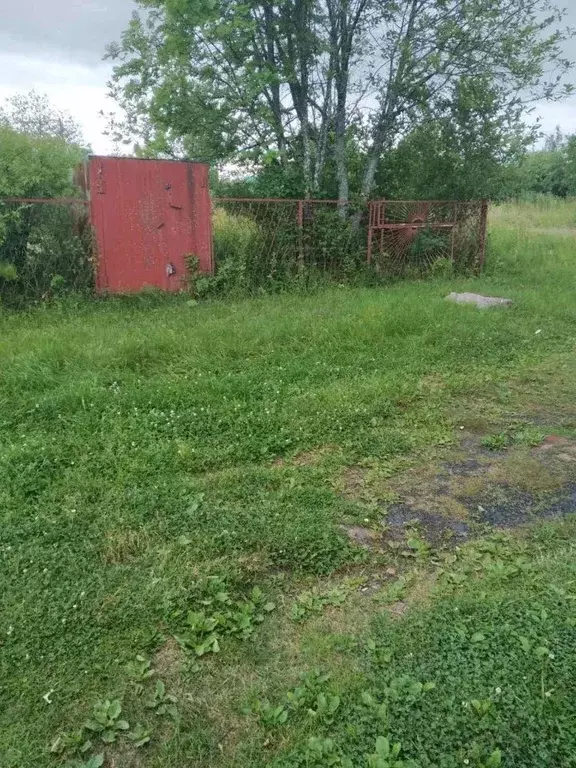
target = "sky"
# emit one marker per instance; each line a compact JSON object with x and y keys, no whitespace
{"x":56,"y":47}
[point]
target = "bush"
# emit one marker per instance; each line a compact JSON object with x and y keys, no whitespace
{"x":260,"y":246}
{"x":43,"y":248}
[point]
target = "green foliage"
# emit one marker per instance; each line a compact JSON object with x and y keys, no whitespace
{"x":106,"y":721}
{"x":162,"y":703}
{"x":313,"y":602}
{"x":139,"y":670}
{"x":547,"y":172}
{"x":146,"y":445}
{"x":140,"y":736}
{"x":96,"y":761}
{"x":43,"y":249}
{"x":260,"y":246}
{"x":386,"y":754}
{"x":276,"y":86}
{"x":35,"y":166}
{"x":468,"y":153}
{"x":32,"y":114}
{"x":204,"y":630}
{"x":515,"y":434}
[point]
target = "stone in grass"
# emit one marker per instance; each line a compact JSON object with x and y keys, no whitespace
{"x":480,"y":301}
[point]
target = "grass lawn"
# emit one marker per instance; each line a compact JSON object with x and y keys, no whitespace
{"x":208,"y":520}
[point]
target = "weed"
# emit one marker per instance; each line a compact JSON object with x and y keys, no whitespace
{"x":139,"y":670}
{"x":161,"y":702}
{"x":105,"y":721}
{"x":140,"y":735}
{"x":96,"y":761}
{"x":386,"y":754}
{"x":222,"y":616}
{"x":314,"y":602}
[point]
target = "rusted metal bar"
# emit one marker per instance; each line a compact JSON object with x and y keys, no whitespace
{"x":370,"y":232}
{"x":272,"y":200}
{"x":433,"y":202}
{"x":46,"y":200}
{"x":417,"y":225}
{"x":300,"y":222}
{"x":483,"y":228}
{"x":453,"y":243}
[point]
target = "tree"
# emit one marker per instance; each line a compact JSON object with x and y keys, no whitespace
{"x":274,"y":80}
{"x":33,"y":114}
{"x":469,"y":152}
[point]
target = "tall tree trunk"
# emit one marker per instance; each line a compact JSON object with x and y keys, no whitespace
{"x":340,"y":153}
{"x":274,"y":98}
{"x":382,"y":136}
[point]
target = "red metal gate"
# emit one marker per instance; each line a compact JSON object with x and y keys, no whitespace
{"x":149,"y":217}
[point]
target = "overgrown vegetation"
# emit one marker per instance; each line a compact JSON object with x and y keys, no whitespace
{"x":181,"y":487}
{"x":44,"y":250}
{"x":262,"y":247}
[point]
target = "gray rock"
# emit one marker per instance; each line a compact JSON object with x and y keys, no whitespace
{"x":480,"y":301}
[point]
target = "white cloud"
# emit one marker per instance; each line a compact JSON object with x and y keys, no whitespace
{"x":562,"y":113}
{"x":77,"y":88}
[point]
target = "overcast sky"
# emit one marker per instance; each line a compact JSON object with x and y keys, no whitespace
{"x":56,"y":47}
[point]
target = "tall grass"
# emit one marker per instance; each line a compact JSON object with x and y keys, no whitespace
{"x":539,"y":211}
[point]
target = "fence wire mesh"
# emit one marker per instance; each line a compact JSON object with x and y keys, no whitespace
{"x":418,"y":236}
{"x":47,"y":246}
{"x":46,"y":249}
{"x":274,"y":240}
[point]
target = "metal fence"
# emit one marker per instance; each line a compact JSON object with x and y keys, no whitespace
{"x":406,"y":236}
{"x":281,"y":238}
{"x":46,"y":248}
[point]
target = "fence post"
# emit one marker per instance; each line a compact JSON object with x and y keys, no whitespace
{"x":483,"y":228}
{"x":300,"y":221}
{"x":454,"y":225}
{"x":370,"y":232}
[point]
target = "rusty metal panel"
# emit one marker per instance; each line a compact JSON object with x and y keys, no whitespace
{"x":149,"y":217}
{"x":415,"y":236}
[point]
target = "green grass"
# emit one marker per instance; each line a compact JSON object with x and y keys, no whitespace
{"x":149,"y":445}
{"x":541,"y":213}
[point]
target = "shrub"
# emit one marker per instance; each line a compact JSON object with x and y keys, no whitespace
{"x":41,"y":246}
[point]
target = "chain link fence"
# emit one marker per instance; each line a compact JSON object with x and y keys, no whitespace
{"x":269,"y":241}
{"x":46,"y":249}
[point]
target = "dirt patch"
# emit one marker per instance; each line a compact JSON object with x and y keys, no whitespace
{"x":450,"y":501}
{"x":553,"y":441}
{"x":437,"y":529}
{"x":507,"y":507}
{"x":167,"y":661}
{"x":125,"y":756}
{"x":529,"y":473}
{"x":315,"y":456}
{"x":353,"y":482}
{"x":363,"y":537}
{"x":399,"y":608}
{"x":123,"y":545}
{"x":309,"y":458}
